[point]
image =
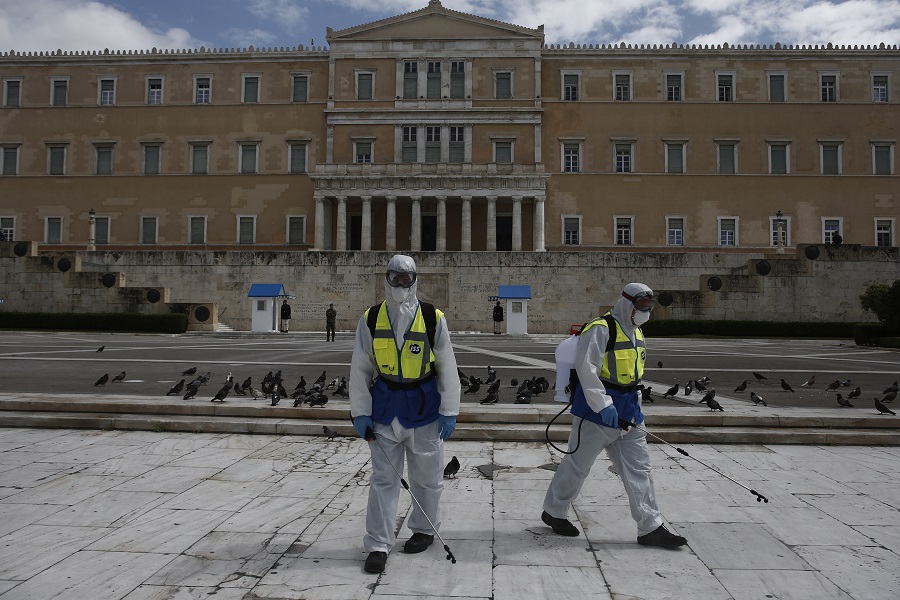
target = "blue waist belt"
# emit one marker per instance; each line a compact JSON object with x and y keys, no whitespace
{"x":626,"y":403}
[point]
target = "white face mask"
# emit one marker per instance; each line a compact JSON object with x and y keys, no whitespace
{"x":399,"y":294}
{"x":639,"y":317}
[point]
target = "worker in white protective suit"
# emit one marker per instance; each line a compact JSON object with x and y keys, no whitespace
{"x":609,"y":362}
{"x":404,"y":388}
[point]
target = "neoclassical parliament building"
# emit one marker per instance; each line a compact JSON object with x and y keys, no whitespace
{"x":437,"y":130}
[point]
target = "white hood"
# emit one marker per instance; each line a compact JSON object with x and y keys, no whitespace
{"x":623,"y":307}
{"x":401,"y":313}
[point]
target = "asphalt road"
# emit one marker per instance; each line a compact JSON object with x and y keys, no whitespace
{"x":68,"y":363}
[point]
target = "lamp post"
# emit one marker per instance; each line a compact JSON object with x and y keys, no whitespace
{"x":780,"y":222}
{"x":92,"y":230}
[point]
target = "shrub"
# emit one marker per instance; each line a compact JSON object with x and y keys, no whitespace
{"x":883,"y":300}
{"x":767,"y":329}
{"x":133,"y":322}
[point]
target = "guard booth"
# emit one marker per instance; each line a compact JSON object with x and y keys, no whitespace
{"x":516,"y":298}
{"x":264,"y":306}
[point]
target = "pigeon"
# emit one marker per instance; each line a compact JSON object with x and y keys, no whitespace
{"x":759,"y":376}
{"x":474,"y":386}
{"x":247,"y":383}
{"x":785,"y":386}
{"x":891,"y":388}
{"x":659,"y":364}
{"x":757,"y":399}
{"x":329,"y":432}
{"x":523,"y":398}
{"x":689,"y":387}
{"x":276,"y":396}
{"x":320,"y":380}
{"x":492,"y":398}
{"x":742,"y":386}
{"x":698,"y":384}
{"x":513,"y":382}
{"x":889,"y":397}
{"x":267,"y":378}
{"x":541,"y":385}
{"x":191,"y":391}
{"x":332,"y":384}
{"x":190,"y":371}
{"x":708,"y":396}
{"x":646,"y":396}
{"x":855,"y":393}
{"x":277,"y":375}
{"x":176,"y":389}
{"x":317,"y":399}
{"x":494,"y":388}
{"x":672,"y":391}
{"x":713,"y":405}
{"x":302,"y":383}
{"x":197,"y":382}
{"x":704,"y":379}
{"x":222,"y":394}
{"x":882,"y":409}
{"x":843,"y":401}
{"x":255,"y":392}
{"x":102,"y":380}
{"x":101,"y":348}
{"x":229,"y":379}
{"x":452,"y":468}
{"x":833,"y":385}
{"x":809,"y":382}
{"x":119,"y":377}
{"x":492,"y":375}
{"x":846,"y":383}
{"x":239,"y":390}
{"x":342,"y":390}
{"x":204,"y":379}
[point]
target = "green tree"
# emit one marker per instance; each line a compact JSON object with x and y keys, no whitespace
{"x":883,"y":300}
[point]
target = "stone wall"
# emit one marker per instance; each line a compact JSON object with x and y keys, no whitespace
{"x":567,"y":287}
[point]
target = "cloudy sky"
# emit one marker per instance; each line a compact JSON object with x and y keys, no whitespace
{"x":35,"y":25}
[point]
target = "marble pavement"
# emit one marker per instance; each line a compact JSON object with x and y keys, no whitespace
{"x":141,"y":515}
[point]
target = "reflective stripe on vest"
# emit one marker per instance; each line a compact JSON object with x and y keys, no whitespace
{"x":624,"y":365}
{"x":413,"y":362}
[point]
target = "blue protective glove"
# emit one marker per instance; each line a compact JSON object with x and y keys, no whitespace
{"x":610,"y":416}
{"x":446,"y":426}
{"x":361,"y":423}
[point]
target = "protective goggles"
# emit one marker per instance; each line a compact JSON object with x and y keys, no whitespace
{"x":403,"y":279}
{"x":644,"y":301}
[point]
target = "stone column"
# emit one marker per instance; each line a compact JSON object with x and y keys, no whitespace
{"x":539,"y":224}
{"x":415,"y":230}
{"x":390,"y":227}
{"x":441,"y":242}
{"x":366,"y":241}
{"x":341,"y":241}
{"x":517,"y":224}
{"x":492,"y":223}
{"x":319,"y":241}
{"x":466,"y":223}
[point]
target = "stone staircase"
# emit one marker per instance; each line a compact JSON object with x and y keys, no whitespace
{"x":515,"y":423}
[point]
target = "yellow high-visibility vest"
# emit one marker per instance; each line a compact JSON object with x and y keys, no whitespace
{"x":624,"y":364}
{"x":410,"y":363}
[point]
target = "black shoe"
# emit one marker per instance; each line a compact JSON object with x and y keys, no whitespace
{"x":560,"y":526}
{"x":375,"y":562}
{"x":417,"y":543}
{"x":662,"y":538}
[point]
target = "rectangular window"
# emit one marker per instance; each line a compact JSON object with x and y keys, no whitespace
{"x":503,"y":85}
{"x":675,"y":157}
{"x":433,"y":81}
{"x":56,"y":159}
{"x":623,"y":231}
{"x":673,"y":88}
{"x":779,"y":163}
{"x":776,"y":88}
{"x":457,"y":79}
{"x":101,"y":230}
{"x":202,"y":90}
{"x":623,"y":87}
{"x":828,"y":84}
{"x":727,"y":159}
{"x":364,"y":86}
{"x":149,"y":230}
{"x":300,"y":92}
{"x":570,"y":86}
{"x":296,"y":233}
{"x":7,"y":229}
{"x":727,"y":231}
{"x":884,"y":233}
{"x":503,"y":152}
{"x":155,"y":90}
{"x":246,"y":230}
{"x":251,"y":89}
{"x":410,"y":80}
{"x":879,"y":88}
{"x":107,"y":92}
{"x":623,"y":158}
{"x":883,"y":159}
{"x":571,"y":231}
{"x":726,"y":88}
{"x":457,"y":144}
{"x":409,"y":149}
{"x":60,"y":92}
{"x":12,"y":96}
{"x":433,"y":144}
{"x":830,"y":228}
{"x":104,"y":159}
{"x":151,"y":159}
{"x":297,"y":151}
{"x":53,"y":230}
{"x":248,"y":158}
{"x":830,"y":158}
{"x":197,"y":230}
{"x":199,"y":159}
{"x":571,"y":158}
{"x":10,"y":163}
{"x":362,"y":152}
{"x":675,"y":227}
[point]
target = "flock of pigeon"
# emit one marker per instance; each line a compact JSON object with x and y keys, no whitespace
{"x":524,"y":391}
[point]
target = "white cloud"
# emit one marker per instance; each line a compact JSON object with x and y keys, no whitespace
{"x":288,"y":13}
{"x":241,"y":38}
{"x":42,"y":25}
